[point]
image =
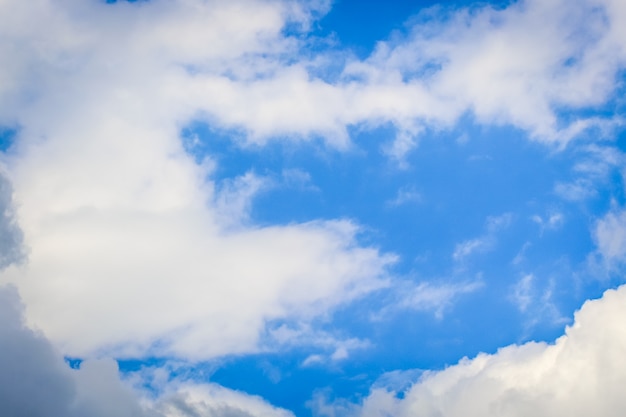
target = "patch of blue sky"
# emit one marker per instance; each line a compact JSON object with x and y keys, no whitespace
{"x":283,"y":381}
{"x":7,"y":137}
{"x":358,"y":25}
{"x":450,"y":188}
{"x":489,"y":185}
{"x":456,"y":186}
{"x":454,"y":183}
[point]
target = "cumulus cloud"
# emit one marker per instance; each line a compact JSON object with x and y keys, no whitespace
{"x":123,"y":227}
{"x":115,"y":212}
{"x":36,"y":382}
{"x":580,"y":374}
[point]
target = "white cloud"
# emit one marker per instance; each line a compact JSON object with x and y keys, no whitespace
{"x":514,"y":65}
{"x":494,"y":224}
{"x":298,"y":179}
{"x":234,"y":198}
{"x":190,"y":400}
{"x":115,"y":213}
{"x":405,"y":195}
{"x":428,"y":297}
{"x":123,"y":228}
{"x":552,"y":221}
{"x":610,"y":237}
{"x":333,"y":348}
{"x":464,"y":249}
{"x":522,"y":292}
{"x":580,"y":374}
{"x":577,"y":190}
{"x":36,"y":382}
{"x":594,"y":167}
{"x":534,"y":299}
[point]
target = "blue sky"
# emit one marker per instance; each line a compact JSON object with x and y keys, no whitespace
{"x":348,"y":208}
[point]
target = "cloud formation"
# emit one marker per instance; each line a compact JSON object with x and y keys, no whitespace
{"x":125,"y":229}
{"x":580,"y":374}
{"x":115,"y":212}
{"x":36,"y":382}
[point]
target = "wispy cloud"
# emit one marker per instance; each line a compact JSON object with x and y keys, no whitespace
{"x":330,"y":348}
{"x":596,"y":165}
{"x":430,"y":297}
{"x":551,"y":221}
{"x":405,"y":195}
{"x":485,"y":243}
{"x":609,"y":234}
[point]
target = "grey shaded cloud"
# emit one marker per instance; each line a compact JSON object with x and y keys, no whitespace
{"x":11,"y":249}
{"x":35,"y":381}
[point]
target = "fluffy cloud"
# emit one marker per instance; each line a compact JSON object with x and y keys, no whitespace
{"x":126,"y":230}
{"x":36,"y":382}
{"x":123,"y":227}
{"x":580,"y":374}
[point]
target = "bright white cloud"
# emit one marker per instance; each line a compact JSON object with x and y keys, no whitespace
{"x":115,"y":213}
{"x":580,"y":374}
{"x":123,"y":228}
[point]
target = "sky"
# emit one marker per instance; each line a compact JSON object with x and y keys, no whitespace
{"x":278,"y":208}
